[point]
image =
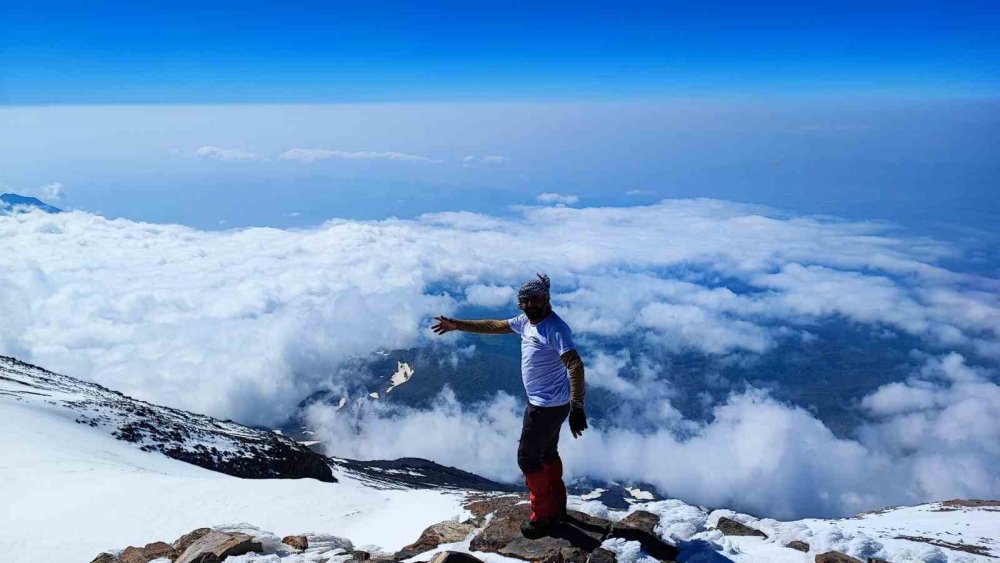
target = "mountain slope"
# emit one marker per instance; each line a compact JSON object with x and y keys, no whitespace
{"x":14,"y":201}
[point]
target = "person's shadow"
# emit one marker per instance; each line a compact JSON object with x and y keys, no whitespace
{"x":699,"y":551}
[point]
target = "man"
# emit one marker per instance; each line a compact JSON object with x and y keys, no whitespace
{"x":552,"y":373}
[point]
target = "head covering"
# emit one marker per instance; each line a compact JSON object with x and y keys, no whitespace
{"x":534,"y":289}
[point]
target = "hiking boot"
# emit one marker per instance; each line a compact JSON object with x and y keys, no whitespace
{"x":534,"y":530}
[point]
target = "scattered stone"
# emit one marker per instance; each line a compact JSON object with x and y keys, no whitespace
{"x":480,"y":506}
{"x":835,"y":557}
{"x":876,"y":560}
{"x":189,"y":538}
{"x":455,"y":557}
{"x":105,"y":558}
{"x":359,"y":555}
{"x":799,"y":545}
{"x":442,"y":532}
{"x":573,"y":555}
{"x":300,"y":543}
{"x":640,"y":526}
{"x":220,"y":545}
{"x":965,"y":547}
{"x":731,"y":527}
{"x":543,"y":550}
{"x":601,"y":555}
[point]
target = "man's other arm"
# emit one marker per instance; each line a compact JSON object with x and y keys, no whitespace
{"x":574,"y":365}
{"x":482,"y":326}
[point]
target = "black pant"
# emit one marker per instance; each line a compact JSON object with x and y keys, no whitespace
{"x":540,"y":436}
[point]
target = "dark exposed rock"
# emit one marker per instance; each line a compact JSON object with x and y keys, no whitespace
{"x":582,"y":530}
{"x":568,"y":541}
{"x":220,"y":545}
{"x":640,"y":526}
{"x":300,"y":543}
{"x":417,"y":473}
{"x":504,"y":528}
{"x":964,"y":547}
{"x":454,"y":557}
{"x":433,"y":536}
{"x":189,"y":538}
{"x":799,"y":545}
{"x":359,"y":555}
{"x":601,"y":555}
{"x":731,"y":527}
{"x":835,"y":557}
{"x":875,"y":560}
{"x":105,"y":558}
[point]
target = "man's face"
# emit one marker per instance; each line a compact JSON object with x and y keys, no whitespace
{"x":535,"y":308}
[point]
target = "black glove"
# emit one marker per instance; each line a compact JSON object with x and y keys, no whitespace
{"x":577,"y":420}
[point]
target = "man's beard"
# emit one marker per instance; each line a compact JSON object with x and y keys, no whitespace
{"x":536,"y":314}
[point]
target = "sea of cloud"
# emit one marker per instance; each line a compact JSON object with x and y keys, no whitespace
{"x":245,"y":323}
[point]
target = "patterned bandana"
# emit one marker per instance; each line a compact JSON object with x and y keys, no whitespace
{"x":535,"y":288}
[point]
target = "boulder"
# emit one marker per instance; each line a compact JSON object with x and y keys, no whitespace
{"x":455,"y":557}
{"x":157,"y":550}
{"x":504,"y":528}
{"x":189,"y":538}
{"x":876,"y":560}
{"x":582,"y":530}
{"x":105,"y":558}
{"x":132,"y":555}
{"x":835,"y":557}
{"x":731,"y":527}
{"x":442,"y":532}
{"x":640,"y":526}
{"x":359,"y":555}
{"x":601,"y":555}
{"x":799,"y":545}
{"x":216,"y":545}
{"x":300,"y":543}
{"x":543,"y":550}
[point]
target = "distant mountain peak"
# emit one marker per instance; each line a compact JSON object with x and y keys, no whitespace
{"x":10,"y":202}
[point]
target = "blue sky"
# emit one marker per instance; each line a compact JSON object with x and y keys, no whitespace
{"x":219,"y":52}
{"x":186,"y":114}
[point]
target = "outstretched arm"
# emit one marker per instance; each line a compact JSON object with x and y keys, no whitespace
{"x":485,"y":326}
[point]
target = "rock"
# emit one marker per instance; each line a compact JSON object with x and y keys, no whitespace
{"x":454,"y":557}
{"x":300,"y":543}
{"x":542,"y":550}
{"x":218,"y":545}
{"x":105,"y":558}
{"x":876,"y":560}
{"x":483,"y":505}
{"x":132,"y":555}
{"x":799,"y":545}
{"x":442,"y":532}
{"x":640,"y":526}
{"x":189,"y":538}
{"x":359,"y":555}
{"x":158,"y":549}
{"x":731,"y":527}
{"x":573,"y":555}
{"x":601,"y":555}
{"x":835,"y":557}
{"x":504,"y":528}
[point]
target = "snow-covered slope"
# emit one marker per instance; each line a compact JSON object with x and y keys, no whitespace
{"x":71,"y":490}
{"x":202,"y":440}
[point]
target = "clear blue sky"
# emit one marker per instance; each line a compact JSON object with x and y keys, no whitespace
{"x":275,"y":52}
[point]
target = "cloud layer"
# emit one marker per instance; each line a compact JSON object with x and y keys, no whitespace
{"x":312,"y":155}
{"x":245,"y":323}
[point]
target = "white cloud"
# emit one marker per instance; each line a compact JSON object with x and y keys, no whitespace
{"x":548,"y":197}
{"x":244,"y":323}
{"x":51,"y":192}
{"x":489,"y":295}
{"x":312,"y":155}
{"x":471,"y":160}
{"x":216,"y":153}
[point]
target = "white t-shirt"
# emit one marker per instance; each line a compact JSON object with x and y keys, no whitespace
{"x":542,"y":371}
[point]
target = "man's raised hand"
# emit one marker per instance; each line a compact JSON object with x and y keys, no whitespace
{"x":443,"y":325}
